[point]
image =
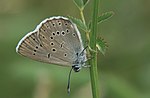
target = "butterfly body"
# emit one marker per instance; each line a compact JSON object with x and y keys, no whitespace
{"x":55,"y":40}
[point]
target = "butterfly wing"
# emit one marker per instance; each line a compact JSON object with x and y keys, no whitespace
{"x":56,"y":41}
{"x":31,"y":47}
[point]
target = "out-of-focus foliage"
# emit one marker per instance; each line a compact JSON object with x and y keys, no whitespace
{"x":101,"y":45}
{"x":124,"y":70}
{"x":81,"y":3}
{"x":105,"y":16}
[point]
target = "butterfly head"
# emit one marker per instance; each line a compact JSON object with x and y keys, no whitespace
{"x":76,"y":68}
{"x":79,"y":62}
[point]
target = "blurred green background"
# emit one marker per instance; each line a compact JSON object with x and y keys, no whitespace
{"x":124,"y":71}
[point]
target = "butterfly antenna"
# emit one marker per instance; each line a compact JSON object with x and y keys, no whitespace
{"x":68,"y":86}
{"x":83,"y":50}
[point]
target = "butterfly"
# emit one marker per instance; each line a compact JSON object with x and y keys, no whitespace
{"x":56,"y":40}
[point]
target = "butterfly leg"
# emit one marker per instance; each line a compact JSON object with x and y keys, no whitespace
{"x":87,"y":61}
{"x":87,"y":46}
{"x":92,"y":49}
{"x":86,"y":66}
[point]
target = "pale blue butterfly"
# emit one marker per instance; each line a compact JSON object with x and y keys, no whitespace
{"x":55,"y":40}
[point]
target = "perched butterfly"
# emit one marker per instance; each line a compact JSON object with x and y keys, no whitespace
{"x":55,"y":40}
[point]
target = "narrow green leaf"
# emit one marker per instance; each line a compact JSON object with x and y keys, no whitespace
{"x":101,"y":45}
{"x":81,"y":3}
{"x":85,"y":2}
{"x":105,"y":16}
{"x":79,"y":23}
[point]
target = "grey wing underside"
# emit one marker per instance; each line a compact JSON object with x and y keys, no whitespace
{"x":45,"y":44}
{"x":31,"y":47}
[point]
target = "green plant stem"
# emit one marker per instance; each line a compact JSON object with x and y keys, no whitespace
{"x":82,"y":15}
{"x":93,"y":62}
